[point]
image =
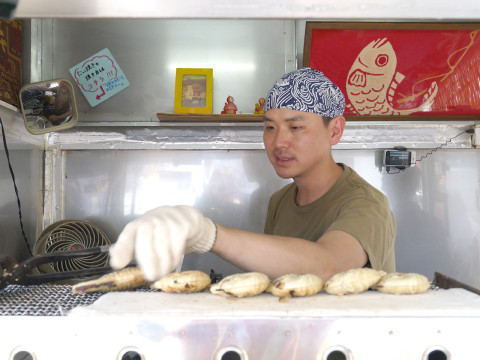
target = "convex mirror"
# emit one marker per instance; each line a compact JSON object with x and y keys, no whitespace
{"x":48,"y":106}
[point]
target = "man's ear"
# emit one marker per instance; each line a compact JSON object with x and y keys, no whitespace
{"x":337,"y":126}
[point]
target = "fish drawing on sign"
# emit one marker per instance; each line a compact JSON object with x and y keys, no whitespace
{"x":373,"y":79}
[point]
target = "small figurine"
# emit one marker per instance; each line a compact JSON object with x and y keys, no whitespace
{"x":259,"y":106}
{"x":230,"y":107}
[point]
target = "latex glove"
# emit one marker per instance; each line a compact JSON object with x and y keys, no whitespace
{"x":159,"y":238}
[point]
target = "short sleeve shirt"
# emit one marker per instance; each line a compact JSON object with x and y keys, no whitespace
{"x":352,"y":205}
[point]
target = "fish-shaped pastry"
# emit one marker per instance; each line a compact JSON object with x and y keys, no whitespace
{"x":241,"y":285}
{"x":184,"y":282}
{"x":373,"y":80}
{"x":402,"y":283}
{"x":290,"y":285}
{"x":353,"y":281}
{"x":124,"y":279}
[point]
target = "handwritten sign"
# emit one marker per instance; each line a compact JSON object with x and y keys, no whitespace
{"x":99,"y":77}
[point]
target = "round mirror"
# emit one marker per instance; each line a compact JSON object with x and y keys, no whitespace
{"x":48,"y":106}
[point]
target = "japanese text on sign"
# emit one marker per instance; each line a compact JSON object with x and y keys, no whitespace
{"x":95,"y":73}
{"x":99,"y":77}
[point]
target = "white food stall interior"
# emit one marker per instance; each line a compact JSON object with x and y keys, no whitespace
{"x":122,"y":160}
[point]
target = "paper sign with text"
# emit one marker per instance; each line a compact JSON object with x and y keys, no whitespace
{"x":99,"y":77}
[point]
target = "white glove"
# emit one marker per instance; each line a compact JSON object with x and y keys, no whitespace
{"x":159,"y":238}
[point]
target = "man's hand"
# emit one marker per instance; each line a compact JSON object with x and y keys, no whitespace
{"x":158,"y":239}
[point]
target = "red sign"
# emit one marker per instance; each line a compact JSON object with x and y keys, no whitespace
{"x":401,"y":71}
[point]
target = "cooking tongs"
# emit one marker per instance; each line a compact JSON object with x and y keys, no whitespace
{"x":13,"y":273}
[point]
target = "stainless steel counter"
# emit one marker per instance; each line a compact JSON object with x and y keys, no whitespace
{"x":154,"y":325}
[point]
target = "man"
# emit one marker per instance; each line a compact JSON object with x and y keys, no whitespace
{"x":326,"y":221}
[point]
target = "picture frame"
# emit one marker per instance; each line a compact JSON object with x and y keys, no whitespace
{"x":193,"y":91}
{"x":429,"y":71}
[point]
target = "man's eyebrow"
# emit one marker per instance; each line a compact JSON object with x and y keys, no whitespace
{"x":291,"y":119}
{"x":295,"y":118}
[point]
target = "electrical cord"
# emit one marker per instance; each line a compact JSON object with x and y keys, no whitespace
{"x":15,"y":186}
{"x":469,"y":131}
{"x":400,"y":169}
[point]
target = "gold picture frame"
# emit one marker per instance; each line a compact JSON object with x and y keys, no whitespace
{"x":193,"y":91}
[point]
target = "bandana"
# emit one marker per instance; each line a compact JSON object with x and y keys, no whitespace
{"x":306,"y":90}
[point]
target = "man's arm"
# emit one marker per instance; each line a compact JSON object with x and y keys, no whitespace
{"x":274,"y":256}
{"x":158,"y":239}
{"x":57,"y":118}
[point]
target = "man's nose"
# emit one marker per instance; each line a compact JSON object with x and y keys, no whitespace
{"x":282,"y":138}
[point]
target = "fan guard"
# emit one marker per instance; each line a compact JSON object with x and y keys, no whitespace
{"x":71,"y":235}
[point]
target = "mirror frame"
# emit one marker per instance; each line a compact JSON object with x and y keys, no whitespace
{"x":67,"y":125}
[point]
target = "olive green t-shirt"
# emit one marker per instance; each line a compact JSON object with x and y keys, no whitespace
{"x":352,"y":205}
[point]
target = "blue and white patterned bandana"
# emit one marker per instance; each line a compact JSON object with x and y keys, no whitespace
{"x":306,"y":90}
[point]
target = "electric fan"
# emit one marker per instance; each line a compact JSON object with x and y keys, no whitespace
{"x":71,"y":235}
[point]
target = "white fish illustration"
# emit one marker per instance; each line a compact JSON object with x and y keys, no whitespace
{"x":373,"y":79}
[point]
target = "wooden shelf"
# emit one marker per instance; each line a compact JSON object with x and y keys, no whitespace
{"x":258,"y":118}
{"x":169,"y":117}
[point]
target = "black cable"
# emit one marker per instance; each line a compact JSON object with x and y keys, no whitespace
{"x":470,"y":131}
{"x":400,"y":169}
{"x":15,"y":186}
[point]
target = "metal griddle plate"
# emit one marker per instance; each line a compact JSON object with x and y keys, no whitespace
{"x":43,"y":300}
{"x":55,"y":300}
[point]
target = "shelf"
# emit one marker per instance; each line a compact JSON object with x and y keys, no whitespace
{"x":224,"y":118}
{"x":239,"y":118}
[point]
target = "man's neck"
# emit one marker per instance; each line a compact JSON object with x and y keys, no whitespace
{"x":316,"y":185}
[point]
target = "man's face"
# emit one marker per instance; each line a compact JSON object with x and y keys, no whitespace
{"x":298,"y":143}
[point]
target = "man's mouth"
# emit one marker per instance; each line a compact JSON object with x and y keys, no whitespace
{"x":283,"y":159}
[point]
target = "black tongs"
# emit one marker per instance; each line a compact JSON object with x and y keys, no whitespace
{"x":13,"y":273}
